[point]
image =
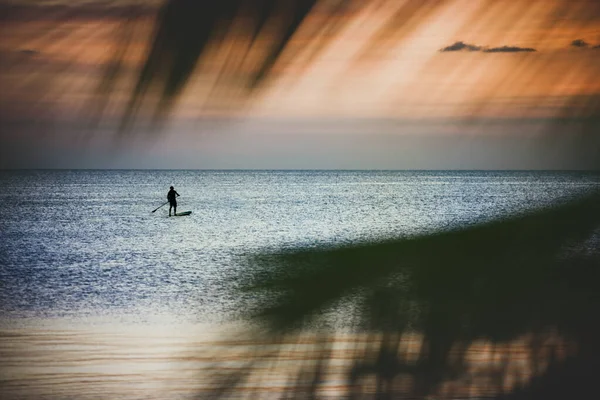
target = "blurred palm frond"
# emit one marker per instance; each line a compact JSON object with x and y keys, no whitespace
{"x":497,"y":281}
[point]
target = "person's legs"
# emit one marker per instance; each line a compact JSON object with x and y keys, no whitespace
{"x":170,"y":206}
{"x":174,"y":208}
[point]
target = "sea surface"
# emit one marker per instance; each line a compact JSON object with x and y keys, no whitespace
{"x":102,"y":298}
{"x":84,"y":245}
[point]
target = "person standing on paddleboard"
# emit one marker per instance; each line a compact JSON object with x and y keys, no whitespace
{"x":172,"y":197}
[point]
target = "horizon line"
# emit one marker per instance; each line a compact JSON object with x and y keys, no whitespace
{"x":306,"y":169}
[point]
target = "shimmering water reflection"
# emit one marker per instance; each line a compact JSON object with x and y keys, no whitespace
{"x":193,"y":361}
{"x":84,"y":244}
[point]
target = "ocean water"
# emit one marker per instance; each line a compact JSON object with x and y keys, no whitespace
{"x":83,"y":245}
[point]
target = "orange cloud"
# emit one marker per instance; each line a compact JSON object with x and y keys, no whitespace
{"x":367,"y":59}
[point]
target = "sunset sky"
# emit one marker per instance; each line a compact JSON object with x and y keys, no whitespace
{"x":438,"y":84}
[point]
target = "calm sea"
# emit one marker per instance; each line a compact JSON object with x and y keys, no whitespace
{"x":101,"y":298}
{"x":85,"y":245}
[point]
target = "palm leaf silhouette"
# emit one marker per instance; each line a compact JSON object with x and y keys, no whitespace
{"x":499,"y":280}
{"x":495,"y":281}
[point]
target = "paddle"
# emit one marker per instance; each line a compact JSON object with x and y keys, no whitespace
{"x":160,"y":206}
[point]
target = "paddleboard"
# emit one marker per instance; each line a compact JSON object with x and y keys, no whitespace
{"x":181,"y":214}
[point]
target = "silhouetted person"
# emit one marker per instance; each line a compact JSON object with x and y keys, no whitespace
{"x":172,"y":197}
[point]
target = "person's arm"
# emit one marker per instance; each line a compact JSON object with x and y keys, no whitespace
{"x":177,"y":194}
